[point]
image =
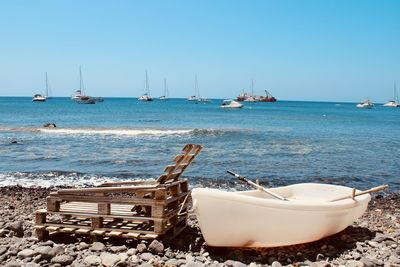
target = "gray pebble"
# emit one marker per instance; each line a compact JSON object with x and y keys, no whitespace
{"x":98,"y":246}
{"x":141,"y":247}
{"x":156,"y":246}
{"x":13,"y":264}
{"x":92,"y":260}
{"x":63,"y":260}
{"x":26,"y":253}
{"x":276,"y":264}
{"x":118,"y":249}
{"x":146,"y":256}
{"x":108,"y":259}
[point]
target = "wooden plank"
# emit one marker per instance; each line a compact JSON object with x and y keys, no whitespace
{"x":52,"y":228}
{"x":40,"y":227}
{"x":103,"y":229}
{"x":40,"y":217}
{"x":97,"y":232}
{"x":114,"y":233}
{"x":52,"y":204}
{"x":149,"y":236}
{"x":82,"y":231}
{"x":131,"y":235}
{"x":121,"y":200}
{"x":67,"y":230}
{"x":110,"y":189}
{"x":137,"y":182}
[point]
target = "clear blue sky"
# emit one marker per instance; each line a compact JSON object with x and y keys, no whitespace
{"x":299,"y":50}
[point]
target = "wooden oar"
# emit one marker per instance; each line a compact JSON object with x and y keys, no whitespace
{"x":243,"y":179}
{"x":354,"y":194}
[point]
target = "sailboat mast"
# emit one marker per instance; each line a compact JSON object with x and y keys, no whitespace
{"x":252,"y":88}
{"x":396,"y":97}
{"x":165,"y":87}
{"x":81,"y":81}
{"x":47,"y":86}
{"x":147,"y":85}
{"x":196,"y":87}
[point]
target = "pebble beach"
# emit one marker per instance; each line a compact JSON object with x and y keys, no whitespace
{"x":373,"y":240}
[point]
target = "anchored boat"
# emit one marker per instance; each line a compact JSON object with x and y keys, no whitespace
{"x":367,"y":104}
{"x":395,"y":102}
{"x":146,"y":96}
{"x":281,"y":216}
{"x":231,"y":104}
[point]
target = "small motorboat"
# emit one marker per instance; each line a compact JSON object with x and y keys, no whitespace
{"x":231,"y":104}
{"x":304,"y":213}
{"x":39,"y":98}
{"x":367,"y":104}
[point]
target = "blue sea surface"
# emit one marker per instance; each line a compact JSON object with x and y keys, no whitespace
{"x":121,"y":138}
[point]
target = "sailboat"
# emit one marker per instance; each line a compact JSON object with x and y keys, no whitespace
{"x":146,"y":96}
{"x":199,"y":98}
{"x":395,"y":102}
{"x":166,"y":93}
{"x":42,"y":98}
{"x":194,"y":97}
{"x":80,"y":96}
{"x":367,"y":104}
{"x":251,"y":98}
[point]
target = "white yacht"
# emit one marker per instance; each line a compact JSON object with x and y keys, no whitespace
{"x":197,"y":96}
{"x":231,"y":104}
{"x":42,"y":98}
{"x":146,"y":96}
{"x":367,"y":104}
{"x":192,"y":98}
{"x":395,"y":102}
{"x":39,"y":98}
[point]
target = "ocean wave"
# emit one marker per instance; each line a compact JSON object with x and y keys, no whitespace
{"x":50,"y":179}
{"x":123,"y":131}
{"x":118,"y":132}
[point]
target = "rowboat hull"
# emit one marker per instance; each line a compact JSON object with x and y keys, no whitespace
{"x":254,"y":219}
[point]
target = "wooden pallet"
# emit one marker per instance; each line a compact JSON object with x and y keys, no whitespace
{"x":134,"y":209}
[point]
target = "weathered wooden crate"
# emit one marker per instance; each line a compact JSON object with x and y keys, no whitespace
{"x":133,"y":209}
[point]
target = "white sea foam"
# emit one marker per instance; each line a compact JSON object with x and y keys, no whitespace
{"x":49,"y":179}
{"x":119,"y":132}
{"x":52,"y":179}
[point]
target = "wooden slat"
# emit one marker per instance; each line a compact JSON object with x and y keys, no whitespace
{"x":149,"y":236}
{"x":104,"y":229}
{"x":114,"y":233}
{"x":131,"y":235}
{"x":97,"y":232}
{"x":52,"y":228}
{"x":120,"y":200}
{"x":82,"y":231}
{"x":66,"y":230}
{"x":107,"y":189}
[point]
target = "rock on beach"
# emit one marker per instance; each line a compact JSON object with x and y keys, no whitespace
{"x":373,"y":240}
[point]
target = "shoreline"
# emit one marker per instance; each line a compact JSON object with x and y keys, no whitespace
{"x":373,"y":240}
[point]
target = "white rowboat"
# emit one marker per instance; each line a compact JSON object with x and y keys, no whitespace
{"x":256,"y":219}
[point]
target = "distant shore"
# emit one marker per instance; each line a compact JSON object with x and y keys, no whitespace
{"x":371,"y":241}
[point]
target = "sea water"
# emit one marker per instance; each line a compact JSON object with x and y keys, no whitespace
{"x":121,"y":138}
